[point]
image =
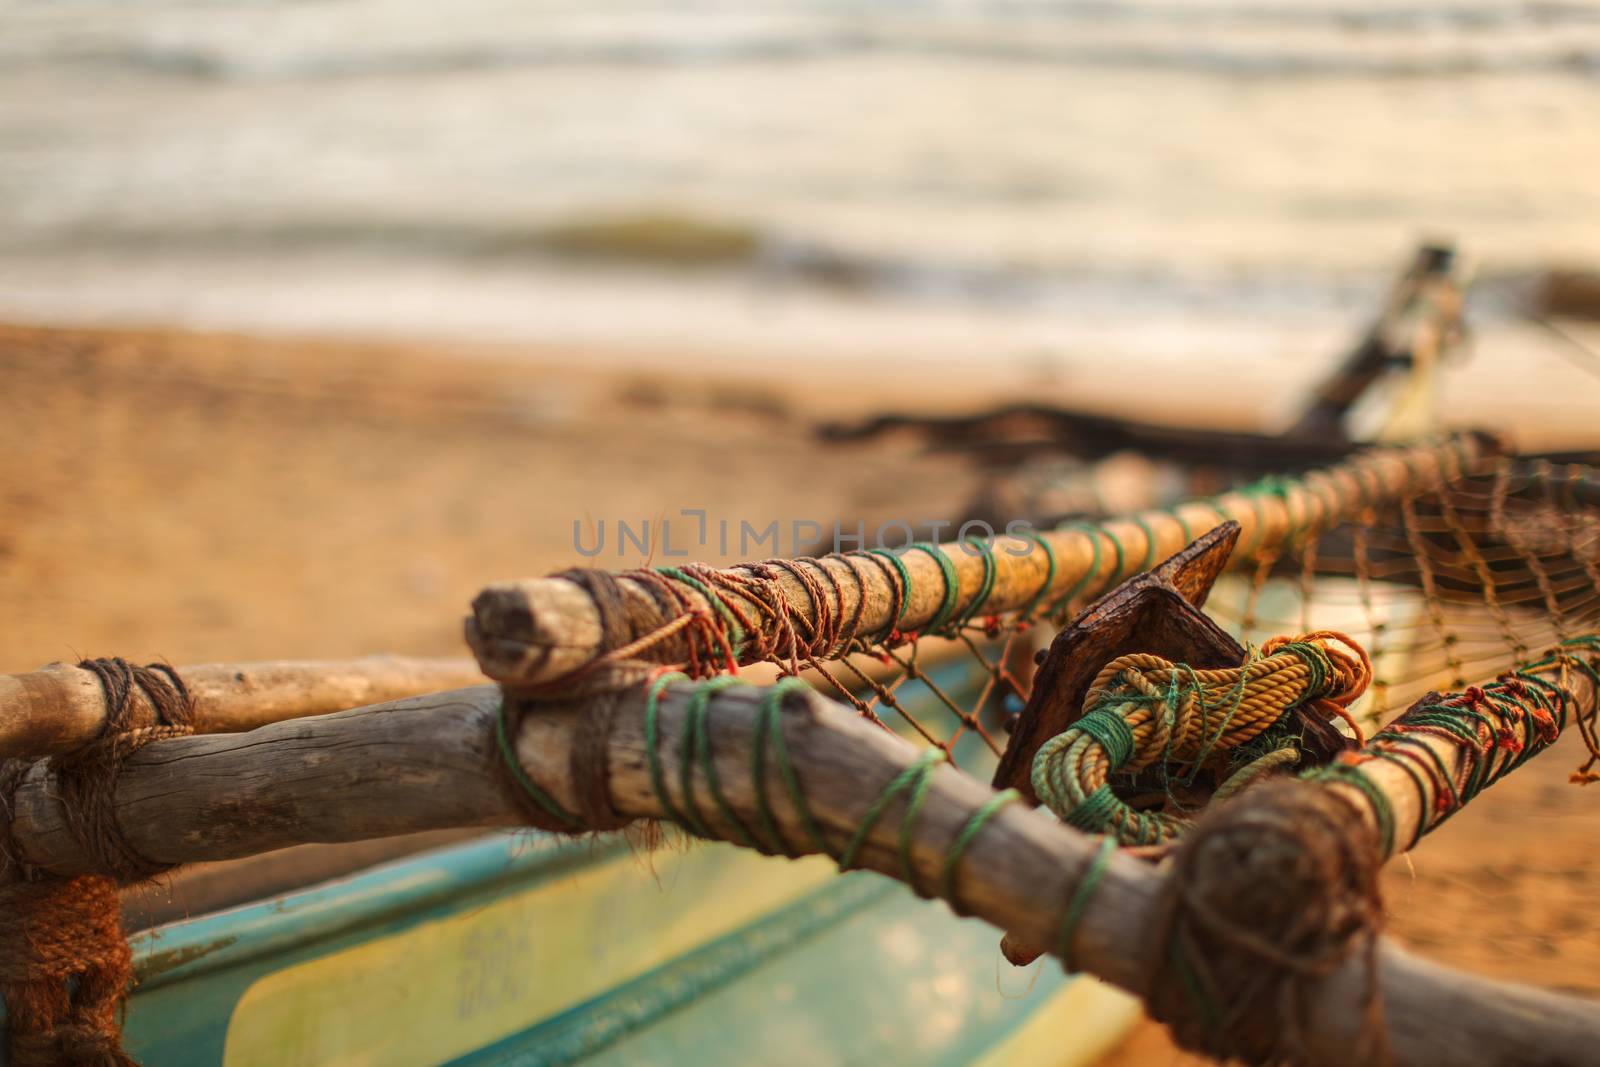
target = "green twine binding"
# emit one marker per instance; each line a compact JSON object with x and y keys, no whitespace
{"x":1112,"y":731}
{"x":919,"y":793}
{"x":1049,"y":576}
{"x":905,"y":584}
{"x":1122,"y":561}
{"x":652,"y":741}
{"x":952,"y":584}
{"x":1382,"y":812}
{"x":725,"y":613}
{"x":985,"y":587}
{"x":770,"y":729}
{"x":695,"y":746}
{"x":1092,"y":532}
{"x":1080,"y":900}
{"x":897,"y":785}
{"x":1098,"y":810}
{"x":1183,"y":524}
{"x":1149,"y":541}
{"x":958,"y":846}
{"x":696,"y":743}
{"x":508,"y":755}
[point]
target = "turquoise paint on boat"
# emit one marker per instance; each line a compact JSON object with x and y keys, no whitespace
{"x":900,"y":981}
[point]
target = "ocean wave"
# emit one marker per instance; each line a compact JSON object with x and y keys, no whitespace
{"x":666,"y":243}
{"x":1191,"y":56}
{"x":247,"y":43}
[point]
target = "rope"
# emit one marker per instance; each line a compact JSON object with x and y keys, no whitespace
{"x":1142,"y":710}
{"x":1494,"y":728}
{"x":770,"y":752}
{"x":65,"y":964}
{"x":1072,"y":917}
{"x":1265,"y":900}
{"x":952,"y":585}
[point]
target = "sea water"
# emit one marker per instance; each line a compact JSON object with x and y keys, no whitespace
{"x":1046,"y":187}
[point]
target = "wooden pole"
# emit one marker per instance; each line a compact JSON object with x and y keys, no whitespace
{"x":61,"y":707}
{"x":427,"y":763}
{"x":1408,"y":786}
{"x":535,"y":631}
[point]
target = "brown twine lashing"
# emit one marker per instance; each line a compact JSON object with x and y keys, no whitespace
{"x":1268,"y":896}
{"x":648,"y":612}
{"x":86,"y":778}
{"x":65,"y":964}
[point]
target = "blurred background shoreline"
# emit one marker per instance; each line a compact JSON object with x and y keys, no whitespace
{"x":1052,"y":189}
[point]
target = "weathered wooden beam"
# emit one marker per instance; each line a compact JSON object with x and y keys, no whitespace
{"x":532,"y":632}
{"x":428,"y":762}
{"x":1409,"y":786}
{"x":61,"y":707}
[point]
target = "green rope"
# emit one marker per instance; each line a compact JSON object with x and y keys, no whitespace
{"x":958,"y":846}
{"x":952,"y":585}
{"x":652,"y":741}
{"x":905,"y":584}
{"x":1092,"y":532}
{"x":909,"y":778}
{"x":985,"y":587}
{"x":508,"y":755}
{"x":1049,"y":576}
{"x":770,"y":726}
{"x":1150,"y":542}
{"x":697,"y":739}
{"x":1079,"y":901}
{"x":725,"y":613}
{"x":1382,"y":811}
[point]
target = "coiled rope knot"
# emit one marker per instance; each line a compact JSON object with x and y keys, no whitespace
{"x":1143,"y":711}
{"x":1263,"y":902}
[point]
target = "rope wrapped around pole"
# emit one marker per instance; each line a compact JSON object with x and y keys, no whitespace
{"x":874,"y":801}
{"x":65,"y":962}
{"x":63,"y":706}
{"x":556,"y":632}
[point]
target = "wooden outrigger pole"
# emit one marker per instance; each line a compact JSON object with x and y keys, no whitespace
{"x":61,"y":707}
{"x":433,"y":762}
{"x":534,"y":632}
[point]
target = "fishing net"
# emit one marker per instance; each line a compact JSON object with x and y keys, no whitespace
{"x":1439,"y":566}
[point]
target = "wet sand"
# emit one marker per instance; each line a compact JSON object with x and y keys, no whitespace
{"x":210,"y":497}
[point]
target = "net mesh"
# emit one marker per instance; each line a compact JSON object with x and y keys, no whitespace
{"x":1445,"y":587}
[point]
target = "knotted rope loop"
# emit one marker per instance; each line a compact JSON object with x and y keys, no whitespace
{"x":86,"y":778}
{"x":65,"y":964}
{"x":1265,"y":900}
{"x":1143,"y":710}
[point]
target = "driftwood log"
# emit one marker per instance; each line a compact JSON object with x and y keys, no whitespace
{"x":1420,"y":316}
{"x":429,"y":763}
{"x":535,"y":631}
{"x":62,"y":707}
